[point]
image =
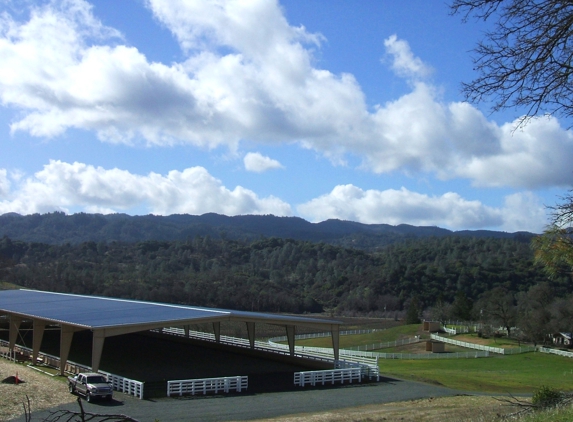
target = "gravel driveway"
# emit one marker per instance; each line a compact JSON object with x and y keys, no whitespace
{"x":257,"y":406}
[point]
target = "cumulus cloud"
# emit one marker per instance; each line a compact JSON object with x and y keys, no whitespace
{"x":61,"y":186}
{"x":404,"y":62}
{"x":249,"y":75}
{"x":259,"y":163}
{"x":348,"y":202}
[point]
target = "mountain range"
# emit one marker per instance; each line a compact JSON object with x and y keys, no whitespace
{"x":61,"y":228}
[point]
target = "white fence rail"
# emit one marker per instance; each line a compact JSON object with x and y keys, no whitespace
{"x":413,"y":356}
{"x":207,"y":385}
{"x":377,"y":346}
{"x":468,"y":345}
{"x":328,"y":376}
{"x":499,"y":350}
{"x":556,"y":352}
{"x":320,"y":335}
{"x":125,"y":385}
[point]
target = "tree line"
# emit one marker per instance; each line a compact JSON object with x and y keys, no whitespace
{"x":279,"y":275}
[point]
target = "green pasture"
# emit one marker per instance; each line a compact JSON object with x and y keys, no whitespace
{"x":522,"y":373}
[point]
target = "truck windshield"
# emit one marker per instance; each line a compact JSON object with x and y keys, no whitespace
{"x":96,"y":380}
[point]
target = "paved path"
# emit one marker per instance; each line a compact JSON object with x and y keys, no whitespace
{"x":257,"y":406}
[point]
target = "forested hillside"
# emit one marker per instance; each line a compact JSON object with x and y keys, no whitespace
{"x":59,"y":228}
{"x":275,"y":274}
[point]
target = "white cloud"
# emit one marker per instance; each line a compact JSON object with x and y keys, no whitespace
{"x":249,"y":75}
{"x":61,"y":186}
{"x":4,"y":183}
{"x":450,"y":210}
{"x":404,"y":62}
{"x":259,"y":163}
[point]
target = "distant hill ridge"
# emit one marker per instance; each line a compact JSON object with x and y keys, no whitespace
{"x":59,"y":228}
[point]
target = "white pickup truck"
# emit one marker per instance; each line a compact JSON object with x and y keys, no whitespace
{"x":90,"y":385}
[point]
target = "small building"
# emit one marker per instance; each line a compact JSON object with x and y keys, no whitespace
{"x":432,"y":326}
{"x":562,"y":339}
{"x":435,"y":346}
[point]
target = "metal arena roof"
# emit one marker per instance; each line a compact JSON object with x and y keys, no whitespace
{"x":92,"y":312}
{"x":107,"y":317}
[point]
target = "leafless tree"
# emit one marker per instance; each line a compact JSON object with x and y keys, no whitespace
{"x":525,"y":60}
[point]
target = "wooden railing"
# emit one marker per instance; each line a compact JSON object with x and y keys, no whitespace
{"x":207,"y":385}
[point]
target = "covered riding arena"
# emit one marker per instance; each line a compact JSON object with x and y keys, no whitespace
{"x":154,"y":342}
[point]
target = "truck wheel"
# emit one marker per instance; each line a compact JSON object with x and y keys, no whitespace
{"x":72,"y":389}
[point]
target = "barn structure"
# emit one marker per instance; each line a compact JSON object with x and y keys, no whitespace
{"x":106,"y":317}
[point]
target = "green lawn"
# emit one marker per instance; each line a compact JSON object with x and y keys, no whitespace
{"x":522,"y":373}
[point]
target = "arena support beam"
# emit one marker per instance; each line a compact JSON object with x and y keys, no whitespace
{"x":290,"y":330}
{"x":335,"y":333}
{"x":15,"y":322}
{"x":39,"y":326}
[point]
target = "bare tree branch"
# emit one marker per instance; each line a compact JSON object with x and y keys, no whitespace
{"x":525,"y":61}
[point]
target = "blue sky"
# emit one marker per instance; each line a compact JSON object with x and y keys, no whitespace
{"x":318,"y":109}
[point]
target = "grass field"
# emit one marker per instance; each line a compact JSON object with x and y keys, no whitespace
{"x":522,"y":373}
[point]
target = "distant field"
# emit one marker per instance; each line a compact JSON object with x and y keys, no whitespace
{"x":390,"y":334}
{"x":521,"y":373}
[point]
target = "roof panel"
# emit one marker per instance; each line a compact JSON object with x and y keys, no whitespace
{"x":99,"y":312}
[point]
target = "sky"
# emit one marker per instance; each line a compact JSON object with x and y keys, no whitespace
{"x":322,"y":109}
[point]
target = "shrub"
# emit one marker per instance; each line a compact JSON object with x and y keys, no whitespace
{"x":546,"y":397}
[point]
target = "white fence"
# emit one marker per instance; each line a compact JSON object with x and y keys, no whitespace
{"x":320,"y":335}
{"x":329,"y":376}
{"x":499,"y":350}
{"x":386,"y":345}
{"x":412,"y":356}
{"x":207,"y":385}
{"x":125,"y":385}
{"x":556,"y":352}
{"x":468,"y":345}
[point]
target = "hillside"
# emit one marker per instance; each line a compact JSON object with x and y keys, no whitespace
{"x":59,"y":228}
{"x":276,"y":275}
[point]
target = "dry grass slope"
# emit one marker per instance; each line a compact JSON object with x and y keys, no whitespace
{"x":42,"y":390}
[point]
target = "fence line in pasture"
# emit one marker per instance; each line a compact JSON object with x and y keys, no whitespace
{"x":555,"y":352}
{"x":413,"y":356}
{"x":320,"y":335}
{"x":385,"y":345}
{"x":499,"y":350}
